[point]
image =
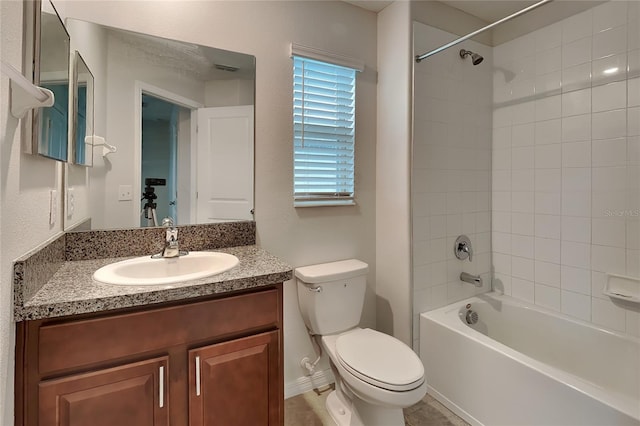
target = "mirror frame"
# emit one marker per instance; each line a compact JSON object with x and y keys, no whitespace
{"x":37,"y":67}
{"x":89,"y":105}
{"x":31,"y":42}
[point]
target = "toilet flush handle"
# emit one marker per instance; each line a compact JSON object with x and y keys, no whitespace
{"x":317,"y":289}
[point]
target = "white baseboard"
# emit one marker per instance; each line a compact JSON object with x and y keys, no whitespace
{"x":306,"y":383}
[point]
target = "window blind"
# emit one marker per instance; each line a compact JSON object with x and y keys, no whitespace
{"x":324,"y":132}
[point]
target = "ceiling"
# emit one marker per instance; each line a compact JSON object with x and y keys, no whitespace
{"x":373,"y":5}
{"x":488,"y":11}
{"x":491,"y":11}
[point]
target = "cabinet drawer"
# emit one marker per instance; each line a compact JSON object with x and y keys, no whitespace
{"x":74,"y":344}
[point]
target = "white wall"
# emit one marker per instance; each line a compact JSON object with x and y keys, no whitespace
{"x":89,"y":40}
{"x":299,"y":236}
{"x":566,"y":185}
{"x":451,"y":170}
{"x":394,"y":183}
{"x":229,"y":93}
{"x":121,"y":121}
{"x":264,"y":29}
{"x":393,"y":251}
{"x":25,"y":183}
{"x":549,"y":14}
{"x":76,"y":179}
{"x":444,"y":17}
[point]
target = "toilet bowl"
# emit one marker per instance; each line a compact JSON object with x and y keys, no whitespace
{"x":382,"y":373}
{"x":376,"y":374}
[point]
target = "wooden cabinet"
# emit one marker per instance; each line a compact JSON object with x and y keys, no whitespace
{"x":231,"y":383}
{"x":128,"y":394}
{"x":210,"y":362}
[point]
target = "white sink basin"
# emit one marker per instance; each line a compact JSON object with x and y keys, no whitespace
{"x":147,"y":271}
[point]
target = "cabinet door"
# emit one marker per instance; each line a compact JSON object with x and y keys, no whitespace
{"x":236,"y":382}
{"x":131,"y":394}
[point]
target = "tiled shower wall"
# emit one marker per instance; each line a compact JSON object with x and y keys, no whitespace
{"x":451,"y":170}
{"x":566,"y":158}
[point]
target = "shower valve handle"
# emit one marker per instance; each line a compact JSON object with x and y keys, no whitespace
{"x":462,"y":248}
{"x":466,"y":249}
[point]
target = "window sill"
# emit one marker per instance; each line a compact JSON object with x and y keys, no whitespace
{"x":325,"y":203}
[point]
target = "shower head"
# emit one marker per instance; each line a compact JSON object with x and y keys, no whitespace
{"x":475,"y":58}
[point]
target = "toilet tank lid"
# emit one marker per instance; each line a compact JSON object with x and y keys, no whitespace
{"x":332,"y":271}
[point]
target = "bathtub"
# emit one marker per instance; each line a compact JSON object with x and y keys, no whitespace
{"x":525,"y":365}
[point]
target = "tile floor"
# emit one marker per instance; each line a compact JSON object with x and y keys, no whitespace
{"x":308,"y":410}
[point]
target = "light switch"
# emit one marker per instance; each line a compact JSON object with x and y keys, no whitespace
{"x":125,"y":193}
{"x":71,"y":202}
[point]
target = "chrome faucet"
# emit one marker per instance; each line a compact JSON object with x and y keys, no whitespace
{"x":472,"y":279}
{"x":171,"y":246}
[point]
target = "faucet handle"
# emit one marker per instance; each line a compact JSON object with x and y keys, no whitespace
{"x":172,"y":235}
{"x":167,"y":221}
{"x":462,"y":248}
{"x":467,"y":249}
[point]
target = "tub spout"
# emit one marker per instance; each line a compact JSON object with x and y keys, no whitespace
{"x":473,"y":279}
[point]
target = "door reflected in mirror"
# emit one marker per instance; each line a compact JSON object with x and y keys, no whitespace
{"x":149,"y":95}
{"x":160,"y":135}
{"x":51,"y":128}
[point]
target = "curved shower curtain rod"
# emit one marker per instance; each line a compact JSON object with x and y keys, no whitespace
{"x":481,"y":30}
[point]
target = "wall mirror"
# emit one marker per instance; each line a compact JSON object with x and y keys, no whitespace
{"x":181,"y":117}
{"x":50,"y":133}
{"x":82,"y":130}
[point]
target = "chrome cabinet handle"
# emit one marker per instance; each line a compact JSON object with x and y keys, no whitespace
{"x":197,"y":376}
{"x":161,"y":387}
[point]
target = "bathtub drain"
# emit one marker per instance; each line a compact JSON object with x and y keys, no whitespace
{"x":471,"y":317}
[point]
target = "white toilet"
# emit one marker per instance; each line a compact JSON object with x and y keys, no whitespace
{"x":376,"y":375}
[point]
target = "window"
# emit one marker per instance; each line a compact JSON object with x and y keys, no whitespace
{"x":324,"y":132}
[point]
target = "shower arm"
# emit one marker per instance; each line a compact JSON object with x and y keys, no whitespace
{"x":419,"y":58}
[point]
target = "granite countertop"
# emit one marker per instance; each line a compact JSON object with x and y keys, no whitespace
{"x":72,"y":290}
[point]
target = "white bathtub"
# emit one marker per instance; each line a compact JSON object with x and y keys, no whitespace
{"x":524,"y":365}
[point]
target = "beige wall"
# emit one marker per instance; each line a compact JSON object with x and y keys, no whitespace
{"x":264,"y":29}
{"x":393,"y":251}
{"x":447,"y":18}
{"x":25,"y":182}
{"x":393,"y":187}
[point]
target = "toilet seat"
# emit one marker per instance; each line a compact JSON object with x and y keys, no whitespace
{"x":380,"y":360}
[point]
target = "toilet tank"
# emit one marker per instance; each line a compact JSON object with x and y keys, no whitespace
{"x":331,"y":295}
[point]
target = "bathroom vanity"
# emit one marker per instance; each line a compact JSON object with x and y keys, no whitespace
{"x":208,"y":362}
{"x":203,"y":352}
